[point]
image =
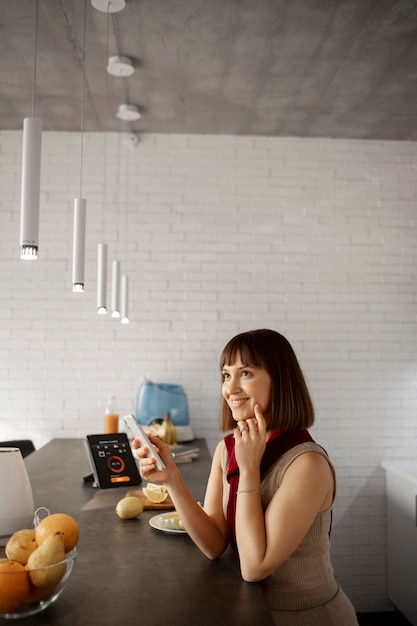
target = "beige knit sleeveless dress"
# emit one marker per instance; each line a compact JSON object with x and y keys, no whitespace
{"x":302,"y":591}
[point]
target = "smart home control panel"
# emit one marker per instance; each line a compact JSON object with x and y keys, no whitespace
{"x":112,"y":461}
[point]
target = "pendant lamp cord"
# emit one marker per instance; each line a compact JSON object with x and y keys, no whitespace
{"x":123,"y":83}
{"x":35,"y":55}
{"x":82,"y":98}
{"x":107,"y":115}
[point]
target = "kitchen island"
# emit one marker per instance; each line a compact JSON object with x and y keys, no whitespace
{"x":127,"y":572}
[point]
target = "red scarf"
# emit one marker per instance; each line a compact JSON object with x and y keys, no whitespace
{"x":277,"y":444}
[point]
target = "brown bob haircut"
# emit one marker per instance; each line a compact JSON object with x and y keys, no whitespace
{"x":291,"y":406}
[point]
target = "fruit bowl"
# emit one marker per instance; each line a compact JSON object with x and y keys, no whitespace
{"x":28,"y":598}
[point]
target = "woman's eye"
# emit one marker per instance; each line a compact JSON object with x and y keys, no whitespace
{"x":245,"y":373}
{"x":225,"y":375}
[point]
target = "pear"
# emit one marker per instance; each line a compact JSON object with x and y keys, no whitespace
{"x":40,"y":565}
{"x":129,"y":507}
{"x":21,"y":545}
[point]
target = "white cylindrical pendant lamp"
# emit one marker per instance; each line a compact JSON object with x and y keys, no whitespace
{"x":124,"y":300}
{"x":102,"y":279}
{"x":78,"y":251}
{"x":115,"y":294}
{"x":31,"y":177}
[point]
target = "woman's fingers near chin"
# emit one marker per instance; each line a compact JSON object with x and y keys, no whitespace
{"x":259,"y":415}
{"x":257,"y":411}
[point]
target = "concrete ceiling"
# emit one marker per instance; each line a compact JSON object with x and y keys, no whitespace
{"x":307,"y":68}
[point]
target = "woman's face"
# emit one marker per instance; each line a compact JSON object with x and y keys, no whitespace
{"x":243,"y":387}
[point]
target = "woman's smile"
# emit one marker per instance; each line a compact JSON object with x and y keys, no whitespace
{"x":237,"y":402}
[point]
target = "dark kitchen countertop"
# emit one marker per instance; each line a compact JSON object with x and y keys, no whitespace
{"x":126,"y":572}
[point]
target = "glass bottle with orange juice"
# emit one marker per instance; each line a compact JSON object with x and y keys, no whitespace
{"x":111,"y":418}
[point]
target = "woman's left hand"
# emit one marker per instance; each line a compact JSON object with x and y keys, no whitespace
{"x":250,"y":441}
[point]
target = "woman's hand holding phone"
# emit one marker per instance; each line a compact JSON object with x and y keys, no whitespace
{"x":140,"y":435}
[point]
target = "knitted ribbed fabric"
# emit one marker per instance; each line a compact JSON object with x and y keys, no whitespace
{"x":303,"y":591}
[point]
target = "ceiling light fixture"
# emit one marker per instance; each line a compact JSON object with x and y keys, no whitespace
{"x":128,"y":113}
{"x":102,"y":247}
{"x":80,"y":205}
{"x":31,"y":175}
{"x":102,"y":279}
{"x":78,"y":256}
{"x":120,"y":66}
{"x":115,"y":298}
{"x":108,"y":6}
{"x":125,"y":297}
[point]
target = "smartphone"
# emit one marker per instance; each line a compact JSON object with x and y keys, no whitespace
{"x":138,"y":433}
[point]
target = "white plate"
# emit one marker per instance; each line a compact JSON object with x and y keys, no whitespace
{"x":159,"y":522}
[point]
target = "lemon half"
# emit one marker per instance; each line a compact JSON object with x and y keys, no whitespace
{"x":155,"y":493}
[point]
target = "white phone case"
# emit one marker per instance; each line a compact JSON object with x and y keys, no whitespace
{"x":138,"y":433}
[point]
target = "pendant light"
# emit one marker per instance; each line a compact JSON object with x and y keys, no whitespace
{"x":102,"y":279}
{"x":125,"y":279}
{"x":78,"y":251}
{"x":115,"y":294}
{"x":110,"y":6}
{"x":124,"y":300}
{"x":80,"y":205}
{"x":31,"y":174}
{"x":102,"y":247}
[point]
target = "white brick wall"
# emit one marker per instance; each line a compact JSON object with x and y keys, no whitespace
{"x":315,"y":238}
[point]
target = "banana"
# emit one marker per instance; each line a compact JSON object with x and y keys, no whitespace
{"x":168,"y":432}
{"x":154,"y":429}
{"x":165,"y":431}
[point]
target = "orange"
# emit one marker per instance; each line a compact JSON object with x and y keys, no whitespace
{"x":37,"y":594}
{"x":59,"y":523}
{"x":14,"y":586}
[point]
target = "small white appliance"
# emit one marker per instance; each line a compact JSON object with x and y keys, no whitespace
{"x":16,"y":498}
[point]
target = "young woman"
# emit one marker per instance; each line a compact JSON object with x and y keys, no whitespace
{"x":271,"y":487}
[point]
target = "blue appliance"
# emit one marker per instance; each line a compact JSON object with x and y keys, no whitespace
{"x":155,"y":400}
